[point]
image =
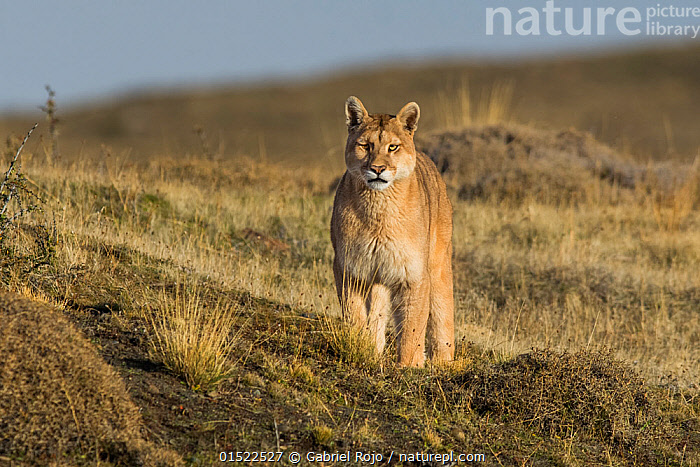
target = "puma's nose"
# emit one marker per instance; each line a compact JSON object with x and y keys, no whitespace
{"x":377,"y":168}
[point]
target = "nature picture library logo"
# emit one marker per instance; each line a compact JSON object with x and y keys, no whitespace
{"x":553,"y":18}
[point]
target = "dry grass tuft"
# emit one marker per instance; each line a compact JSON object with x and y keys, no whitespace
{"x":322,"y":435}
{"x":194,"y":339}
{"x":350,"y":344}
{"x":302,"y":373}
{"x":431,"y":439}
{"x":37,"y":295}
{"x":58,"y":400}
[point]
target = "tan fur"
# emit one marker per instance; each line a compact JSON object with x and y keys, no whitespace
{"x":393,"y":238}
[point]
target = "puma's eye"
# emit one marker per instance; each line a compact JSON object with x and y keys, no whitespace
{"x":393,"y":147}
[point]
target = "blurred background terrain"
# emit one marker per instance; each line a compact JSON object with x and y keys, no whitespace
{"x":643,"y":103}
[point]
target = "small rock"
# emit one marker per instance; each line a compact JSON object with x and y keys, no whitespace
{"x":458,"y":434}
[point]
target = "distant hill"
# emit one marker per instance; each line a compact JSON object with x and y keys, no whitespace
{"x":516,"y":162}
{"x":643,"y":102}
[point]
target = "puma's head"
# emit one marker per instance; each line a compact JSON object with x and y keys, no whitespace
{"x":380,"y":149}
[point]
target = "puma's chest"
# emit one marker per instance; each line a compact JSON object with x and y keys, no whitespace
{"x":387,"y":251}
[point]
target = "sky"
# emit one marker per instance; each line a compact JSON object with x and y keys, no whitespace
{"x":103,"y":49}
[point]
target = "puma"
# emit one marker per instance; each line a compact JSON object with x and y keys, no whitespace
{"x":391,"y":231}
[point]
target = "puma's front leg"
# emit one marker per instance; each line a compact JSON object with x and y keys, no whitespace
{"x":412,"y":310}
{"x":379,"y":312}
{"x":441,"y":329}
{"x":352,"y":294}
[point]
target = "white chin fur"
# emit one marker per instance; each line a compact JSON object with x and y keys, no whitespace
{"x":377,"y":185}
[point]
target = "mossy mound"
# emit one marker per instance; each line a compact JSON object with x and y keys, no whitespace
{"x":589,"y":395}
{"x":59,"y":401}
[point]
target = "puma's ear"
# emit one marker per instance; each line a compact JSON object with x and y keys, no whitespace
{"x":355,"y":112}
{"x":409,"y":115}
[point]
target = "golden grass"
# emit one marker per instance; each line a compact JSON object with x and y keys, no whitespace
{"x":193,"y":340}
{"x":36,"y":295}
{"x":579,"y":278}
{"x":350,"y":344}
{"x":322,"y":434}
{"x":529,"y":270}
{"x":672,"y":209}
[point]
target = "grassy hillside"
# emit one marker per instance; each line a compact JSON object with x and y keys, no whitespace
{"x":642,"y":103}
{"x":599,"y":272}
